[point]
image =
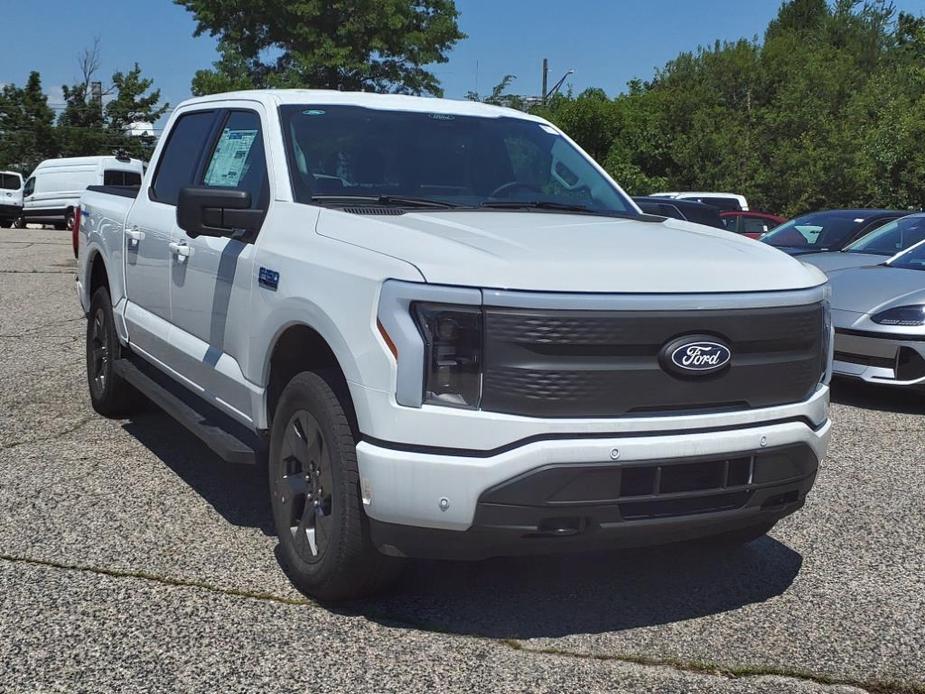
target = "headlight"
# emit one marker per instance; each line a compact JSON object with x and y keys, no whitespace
{"x":906,"y":316}
{"x":452,"y":353}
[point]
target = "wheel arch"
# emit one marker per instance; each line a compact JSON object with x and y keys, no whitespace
{"x":299,"y":346}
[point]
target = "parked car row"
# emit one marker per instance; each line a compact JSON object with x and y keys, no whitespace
{"x":51,"y":194}
{"x":874,"y":259}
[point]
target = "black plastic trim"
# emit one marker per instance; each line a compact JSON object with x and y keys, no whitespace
{"x":880,"y":336}
{"x":481,"y":453}
{"x":121,"y":191}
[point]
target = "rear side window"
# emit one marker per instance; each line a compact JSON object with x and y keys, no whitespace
{"x":9,"y":182}
{"x":180,"y":158}
{"x":121,"y":178}
{"x":238,"y":159}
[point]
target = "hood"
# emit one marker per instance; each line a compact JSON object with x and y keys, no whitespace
{"x":875,"y":288}
{"x":833,"y":261}
{"x":571,"y":253}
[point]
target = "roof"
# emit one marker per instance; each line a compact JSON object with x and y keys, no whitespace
{"x":389,"y":102}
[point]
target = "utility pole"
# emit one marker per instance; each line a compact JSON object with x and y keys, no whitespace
{"x":96,"y":95}
{"x":545,"y":77}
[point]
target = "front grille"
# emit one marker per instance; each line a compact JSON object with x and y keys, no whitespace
{"x":605,"y":363}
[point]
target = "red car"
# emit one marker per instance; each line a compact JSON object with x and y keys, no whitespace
{"x":751,"y":224}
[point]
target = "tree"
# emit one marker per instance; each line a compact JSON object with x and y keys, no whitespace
{"x":100,"y":122}
{"x":27,"y":133}
{"x":499,"y":97}
{"x":132,"y":105}
{"x":380,"y":45}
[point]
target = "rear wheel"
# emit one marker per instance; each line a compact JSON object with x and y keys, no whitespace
{"x":315,"y":494}
{"x":110,"y":395}
{"x":68,"y":220}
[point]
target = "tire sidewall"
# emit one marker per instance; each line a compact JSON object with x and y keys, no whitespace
{"x":307,"y":391}
{"x":102,"y":302}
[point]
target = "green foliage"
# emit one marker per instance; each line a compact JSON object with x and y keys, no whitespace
{"x":27,"y":133}
{"x":828,"y":110}
{"x":372,"y":45}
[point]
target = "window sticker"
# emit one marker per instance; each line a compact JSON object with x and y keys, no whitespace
{"x":230,"y":160}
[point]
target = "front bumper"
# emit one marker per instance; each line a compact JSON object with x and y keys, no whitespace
{"x":882,"y":359}
{"x":448,"y":498}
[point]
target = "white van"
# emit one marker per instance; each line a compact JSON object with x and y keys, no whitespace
{"x":10,"y":197}
{"x":52,"y":192}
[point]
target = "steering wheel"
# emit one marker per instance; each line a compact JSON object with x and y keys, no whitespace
{"x":513,"y":185}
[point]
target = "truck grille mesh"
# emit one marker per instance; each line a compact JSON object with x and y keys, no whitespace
{"x":605,"y":363}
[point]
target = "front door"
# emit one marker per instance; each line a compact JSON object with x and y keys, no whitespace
{"x":149,"y":230}
{"x":211,"y":278}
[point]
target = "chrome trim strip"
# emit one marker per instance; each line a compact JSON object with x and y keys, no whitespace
{"x":650,"y":302}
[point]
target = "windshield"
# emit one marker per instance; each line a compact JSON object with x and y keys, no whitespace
{"x":891,"y":238}
{"x":820,"y":231}
{"x":912,"y":259}
{"x":341,"y":152}
{"x":10,"y":182}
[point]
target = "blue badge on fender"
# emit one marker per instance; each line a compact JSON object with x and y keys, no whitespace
{"x":268,"y":278}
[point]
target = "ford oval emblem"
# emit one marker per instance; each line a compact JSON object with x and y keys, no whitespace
{"x":695,"y":356}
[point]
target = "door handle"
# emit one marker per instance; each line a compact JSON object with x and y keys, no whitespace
{"x":181,"y":250}
{"x":134,"y":233}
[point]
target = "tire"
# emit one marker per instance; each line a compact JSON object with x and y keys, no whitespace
{"x":110,"y":395}
{"x":68,"y":220}
{"x":18,"y":223}
{"x":324,"y":543}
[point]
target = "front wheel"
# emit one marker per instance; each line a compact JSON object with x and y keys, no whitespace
{"x":315,"y":494}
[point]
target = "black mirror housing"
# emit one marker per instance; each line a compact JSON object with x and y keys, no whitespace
{"x":204,"y":211}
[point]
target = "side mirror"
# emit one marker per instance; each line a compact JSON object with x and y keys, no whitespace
{"x":203,"y":211}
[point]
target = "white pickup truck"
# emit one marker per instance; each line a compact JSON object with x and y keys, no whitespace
{"x":449,"y":333}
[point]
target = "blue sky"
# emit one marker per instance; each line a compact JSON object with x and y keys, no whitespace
{"x":606,"y":42}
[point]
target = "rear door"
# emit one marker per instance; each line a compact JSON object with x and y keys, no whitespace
{"x":150,"y":228}
{"x":212,"y":278}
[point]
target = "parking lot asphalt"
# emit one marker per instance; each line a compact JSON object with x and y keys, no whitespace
{"x":132,"y":559}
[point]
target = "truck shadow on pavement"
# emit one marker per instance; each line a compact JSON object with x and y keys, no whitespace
{"x":880,"y":398}
{"x":517,"y":598}
{"x":239,"y":493}
{"x":554,"y":596}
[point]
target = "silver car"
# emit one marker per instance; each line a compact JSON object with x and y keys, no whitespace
{"x":879,"y":317}
{"x":874,"y":248}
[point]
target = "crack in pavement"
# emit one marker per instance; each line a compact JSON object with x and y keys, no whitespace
{"x":37,"y":272}
{"x":70,"y":430}
{"x":693,"y":667}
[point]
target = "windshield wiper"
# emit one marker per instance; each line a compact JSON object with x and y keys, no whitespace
{"x":551,"y":205}
{"x":387,"y":200}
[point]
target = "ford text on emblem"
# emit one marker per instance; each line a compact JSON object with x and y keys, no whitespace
{"x":694,"y":355}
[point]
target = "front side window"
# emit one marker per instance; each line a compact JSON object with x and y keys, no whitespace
{"x":891,"y":238}
{"x":343,"y":152}
{"x":29,"y":188}
{"x":755,"y":225}
{"x":10,"y":182}
{"x":238,"y":159}
{"x":180,"y":158}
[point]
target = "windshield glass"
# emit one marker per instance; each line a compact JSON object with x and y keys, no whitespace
{"x":891,"y":238}
{"x":912,"y":259}
{"x":10,"y":182}
{"x":349,"y":151}
{"x":822,"y":231}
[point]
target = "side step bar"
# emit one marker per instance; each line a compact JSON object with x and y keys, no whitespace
{"x":209,"y":424}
